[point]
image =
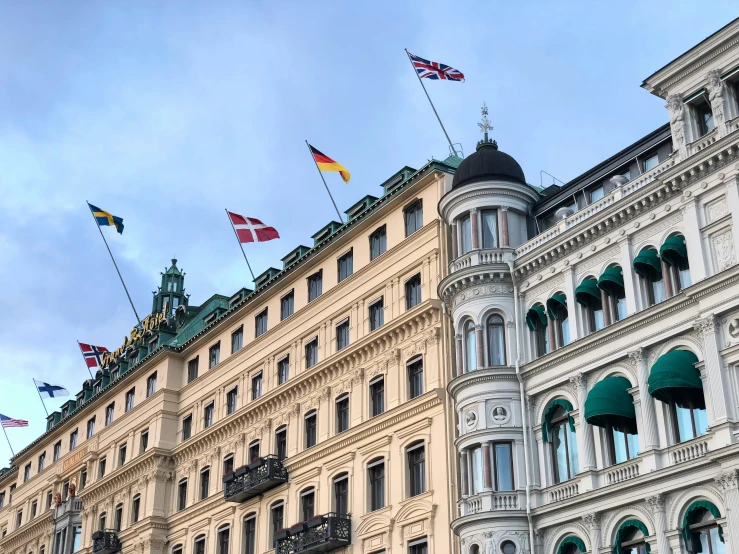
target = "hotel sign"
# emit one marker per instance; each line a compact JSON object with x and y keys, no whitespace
{"x":150,"y":322}
{"x":74,"y":460}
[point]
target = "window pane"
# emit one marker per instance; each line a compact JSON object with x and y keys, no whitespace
{"x":717,"y":544}
{"x":496,"y":341}
{"x":565,"y":325}
{"x":596,"y":194}
{"x":572,"y":448}
{"x":651,"y":162}
{"x":598,"y":319}
{"x":619,"y":446}
{"x":250,"y":535}
{"x":658,"y":288}
{"x":470,"y":349}
{"x":377,"y":314}
{"x":684,"y":423}
{"x":377,"y":392}
{"x":621,"y":307}
{"x":477,"y":471}
{"x":633,"y":441}
{"x":489,"y":229}
{"x":341,"y":496}
{"x":560,"y":450}
{"x":701,"y":421}
{"x":503,"y":467}
{"x":465,"y":232}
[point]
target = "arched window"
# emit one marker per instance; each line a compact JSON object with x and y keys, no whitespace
{"x":610,"y":406}
{"x":701,"y":533}
{"x":675,"y":266}
{"x":277,"y":519}
{"x":341,"y":494}
{"x":589,"y":296}
{"x":416,"y":464}
{"x":308,"y":503}
{"x":571,"y":545}
{"x":470,"y":346}
{"x":649,"y":268}
{"x":199,"y":545}
{"x":559,"y":430}
{"x":559,"y":333}
{"x":177,"y":549}
{"x":376,"y":483}
{"x":224,"y":538}
{"x":250,"y":534}
{"x":611,"y":284}
{"x":496,"y":340}
{"x":630,"y":538}
{"x":536,"y":321}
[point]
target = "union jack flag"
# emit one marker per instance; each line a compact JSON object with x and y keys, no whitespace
{"x":435,"y":70}
{"x":93,"y":355}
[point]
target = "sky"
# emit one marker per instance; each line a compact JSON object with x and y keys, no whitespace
{"x":165,"y":113}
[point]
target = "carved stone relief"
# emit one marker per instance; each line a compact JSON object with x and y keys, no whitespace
{"x":722,"y":250}
{"x":716,"y":210}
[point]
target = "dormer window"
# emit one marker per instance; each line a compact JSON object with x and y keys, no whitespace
{"x":700,"y":109}
{"x":596,"y":193}
{"x":651,"y":162}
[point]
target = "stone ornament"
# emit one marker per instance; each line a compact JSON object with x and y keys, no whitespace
{"x":499,"y":415}
{"x":470,"y":419}
{"x":716,"y":95}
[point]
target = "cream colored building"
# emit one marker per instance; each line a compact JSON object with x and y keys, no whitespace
{"x":317,"y":400}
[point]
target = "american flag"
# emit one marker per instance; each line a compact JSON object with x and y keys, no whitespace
{"x":92,"y":354}
{"x":250,"y":229}
{"x":6,"y":422}
{"x":435,"y":70}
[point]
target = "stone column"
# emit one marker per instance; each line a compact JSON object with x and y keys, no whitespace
{"x":656,"y":504}
{"x":504,"y":239}
{"x":585,"y":436}
{"x":628,"y":274}
{"x":475,"y":227}
{"x":606,"y":305}
{"x":729,"y":484}
{"x":487,"y":474}
{"x":650,"y":438}
{"x":694,"y":241}
{"x":460,"y":354}
{"x":569,"y":276}
{"x":479,"y":347}
{"x":455,"y":238}
{"x":667,"y":279}
{"x":552,"y":336}
{"x":592,"y":522}
{"x":464,"y":473}
{"x":732,"y":199}
{"x":718,"y":384}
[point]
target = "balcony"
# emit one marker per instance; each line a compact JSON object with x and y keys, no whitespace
{"x":72,"y":504}
{"x":249,"y":481}
{"x":319,"y":534}
{"x":489,"y":501}
{"x":562,"y":491}
{"x":481,"y":257}
{"x":105,"y":542}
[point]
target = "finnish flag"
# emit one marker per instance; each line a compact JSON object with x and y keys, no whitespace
{"x":46,"y":390}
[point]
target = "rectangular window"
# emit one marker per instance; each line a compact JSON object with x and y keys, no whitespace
{"x":651,"y":162}
{"x":378,"y":243}
{"x":376,"y":474}
{"x":2,"y":499}
{"x":228,"y":464}
{"x":377,"y":314}
{"x":130,"y":395}
{"x":346,"y":265}
{"x":281,"y":443}
{"x":27,"y":472}
{"x":417,"y":470}
{"x":489,"y":229}
{"x":256,"y":386}
{"x":90,"y":427}
{"x":101,"y":521}
{"x":503,"y":467}
{"x":208,"y":415}
{"x":135,"y":505}
{"x":342,"y":414}
{"x":224,"y":537}
{"x":41,"y":462}
{"x":118,"y":518}
{"x":19,"y":519}
{"x":101,"y":468}
{"x":83,"y":479}
{"x":465,"y":234}
{"x":73,"y":440}
{"x":342,"y":335}
{"x":151,"y":384}
{"x":144,"y":441}
{"x":200,"y":546}
{"x":415,"y":378}
{"x":122,"y":455}
{"x":413,"y":217}
{"x":287,"y":305}
{"x":187,"y":427}
{"x":377,"y":396}
{"x":204,"y":483}
{"x":341,"y":495}
{"x":250,"y":535}
{"x":283,"y":370}
{"x":315,"y":286}
{"x":65,"y":489}
{"x":109,"y":413}
{"x":192,"y":369}
{"x":311,"y":353}
{"x":596,"y":193}
{"x":413,"y":292}
{"x":182,"y":495}
{"x":308,"y":505}
{"x":278,"y":521}
{"x":57,"y":450}
{"x":260,"y":323}
{"x":254,"y":451}
{"x":310,"y":430}
{"x":418,"y":547}
{"x":231,"y":398}
{"x":237,"y":340}
{"x":701,"y":110}
{"x":214,"y":355}
{"x":34,"y":506}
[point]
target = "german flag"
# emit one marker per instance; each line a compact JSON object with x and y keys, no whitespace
{"x":325,"y":163}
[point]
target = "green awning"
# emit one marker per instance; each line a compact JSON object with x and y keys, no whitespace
{"x":588,"y":293}
{"x":689,"y":516}
{"x":612,"y":280}
{"x":674,"y":250}
{"x":647,"y":263}
{"x":623,"y":531}
{"x":674,"y":377}
{"x":546,"y":427}
{"x":556,"y":301}
{"x":534,"y":315}
{"x":609,"y":402}
{"x":572,"y":539}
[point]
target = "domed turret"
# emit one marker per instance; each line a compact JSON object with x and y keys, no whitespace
{"x":488,"y":164}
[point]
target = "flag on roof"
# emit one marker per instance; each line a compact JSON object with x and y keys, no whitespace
{"x":93,"y":355}
{"x":435,"y":70}
{"x":46,"y":390}
{"x":106,"y":218}
{"x":250,"y":229}
{"x":325,"y":163}
{"x":6,"y":422}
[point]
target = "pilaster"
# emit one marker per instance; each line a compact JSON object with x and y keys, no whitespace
{"x":693,"y":241}
{"x":656,"y":504}
{"x":585,"y":436}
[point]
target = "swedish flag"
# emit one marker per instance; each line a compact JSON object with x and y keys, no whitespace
{"x":106,"y":218}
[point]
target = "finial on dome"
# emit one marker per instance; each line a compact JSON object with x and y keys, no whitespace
{"x":485,"y":126}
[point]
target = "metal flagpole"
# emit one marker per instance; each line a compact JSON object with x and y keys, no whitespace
{"x":240,"y":246}
{"x":6,"y":438}
{"x":41,"y":397}
{"x":83,"y":357}
{"x":115,"y":264}
{"x":324,"y":182}
{"x":432,"y":104}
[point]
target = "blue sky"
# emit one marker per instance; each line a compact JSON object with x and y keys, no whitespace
{"x":166,"y":113}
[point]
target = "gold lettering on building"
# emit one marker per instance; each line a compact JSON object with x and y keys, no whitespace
{"x":69,"y":462}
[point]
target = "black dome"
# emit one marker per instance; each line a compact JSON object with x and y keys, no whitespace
{"x":486,"y":164}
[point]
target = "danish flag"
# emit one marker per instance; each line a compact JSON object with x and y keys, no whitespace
{"x":434,"y":70}
{"x":92,"y":354}
{"x":250,"y":229}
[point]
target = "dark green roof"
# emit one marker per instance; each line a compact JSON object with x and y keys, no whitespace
{"x":295,"y":255}
{"x":397,"y":179}
{"x":325,"y":232}
{"x":360,"y":206}
{"x":265,"y":276}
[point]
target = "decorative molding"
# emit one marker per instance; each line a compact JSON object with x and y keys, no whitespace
{"x":534,"y":293}
{"x":652,"y":230}
{"x":597,"y":259}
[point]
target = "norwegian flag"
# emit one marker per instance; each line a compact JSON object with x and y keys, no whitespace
{"x":93,"y":355}
{"x":250,"y":229}
{"x":435,"y":70}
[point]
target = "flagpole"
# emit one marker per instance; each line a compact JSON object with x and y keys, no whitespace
{"x":83,"y":357}
{"x":115,"y":264}
{"x":430,"y":102}
{"x":6,"y":438}
{"x":240,"y":245}
{"x":41,"y":397}
{"x":324,"y":182}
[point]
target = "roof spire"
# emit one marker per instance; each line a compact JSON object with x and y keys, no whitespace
{"x":485,"y":126}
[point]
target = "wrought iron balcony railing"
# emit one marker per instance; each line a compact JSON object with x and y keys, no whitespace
{"x":322,"y":533}
{"x":105,"y":542}
{"x":249,"y":481}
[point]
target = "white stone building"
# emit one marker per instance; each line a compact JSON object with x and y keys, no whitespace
{"x":597,"y":336}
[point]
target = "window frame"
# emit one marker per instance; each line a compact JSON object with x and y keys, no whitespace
{"x":257,"y":384}
{"x":413,"y":466}
{"x":283,"y":364}
{"x":261,"y":323}
{"x":312,"y":415}
{"x":413,"y":290}
{"x":381,"y":380}
{"x":187,"y":426}
{"x":204,"y":483}
{"x":410,"y":375}
{"x":317,"y":280}
{"x":380,"y":236}
{"x":151,"y":384}
{"x":342,"y":334}
{"x":130,"y":400}
{"x":182,"y":494}
{"x":214,"y":355}
{"x":237,"y":339}
{"x":313,"y":345}
{"x":209,"y":415}
{"x":287,"y":304}
{"x":378,"y":305}
{"x":371,"y":480}
{"x":232,"y":400}
{"x":280,"y":444}
{"x":345,"y":265}
{"x":342,"y":408}
{"x":489,"y":326}
{"x":414,"y":210}
{"x":562,"y":421}
{"x":192,"y":369}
